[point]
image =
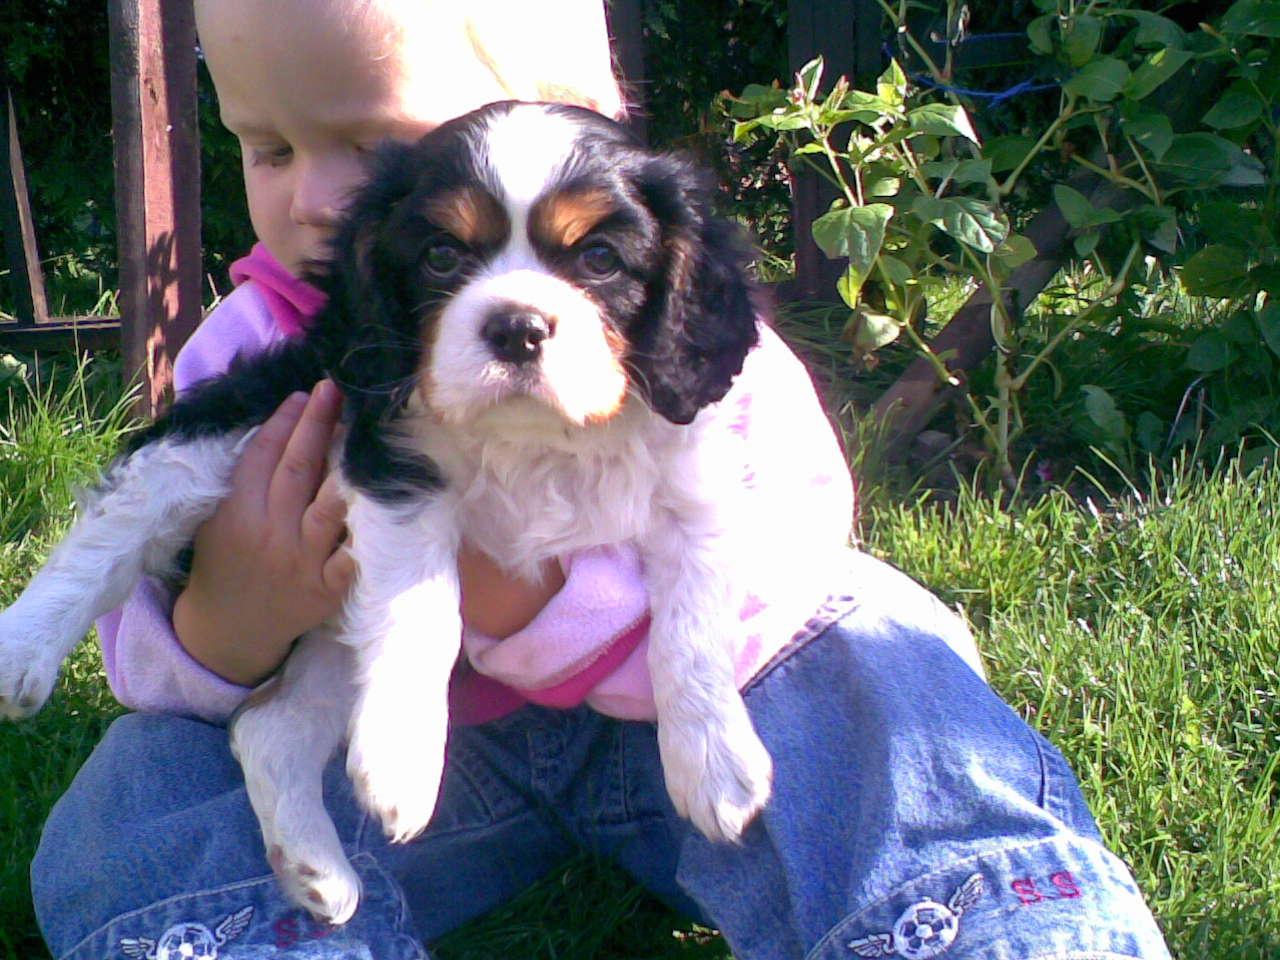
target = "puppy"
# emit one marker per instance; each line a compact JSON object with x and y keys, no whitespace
{"x":532,"y":320}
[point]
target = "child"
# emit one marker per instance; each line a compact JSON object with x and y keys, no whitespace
{"x":913,"y":813}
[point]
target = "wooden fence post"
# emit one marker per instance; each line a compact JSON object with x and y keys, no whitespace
{"x":847,"y":34}
{"x":157,"y":161}
{"x":626,"y":33}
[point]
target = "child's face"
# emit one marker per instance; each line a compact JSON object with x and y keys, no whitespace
{"x":310,"y":88}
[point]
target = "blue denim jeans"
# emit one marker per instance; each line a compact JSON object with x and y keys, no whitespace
{"x":914,"y":815}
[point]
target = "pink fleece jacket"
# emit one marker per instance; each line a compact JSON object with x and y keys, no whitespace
{"x":588,"y":645}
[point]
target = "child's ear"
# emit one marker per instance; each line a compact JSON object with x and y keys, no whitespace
{"x":700,"y":321}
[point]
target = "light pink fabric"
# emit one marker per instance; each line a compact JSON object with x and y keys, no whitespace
{"x":292,"y":302}
{"x":589,"y":644}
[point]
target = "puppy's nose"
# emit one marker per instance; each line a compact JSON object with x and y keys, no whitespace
{"x":515,"y":334}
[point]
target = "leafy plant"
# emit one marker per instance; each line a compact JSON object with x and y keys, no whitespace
{"x":1144,"y":187}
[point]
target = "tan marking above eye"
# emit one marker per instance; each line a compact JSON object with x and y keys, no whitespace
{"x":562,"y":219}
{"x":470,"y":214}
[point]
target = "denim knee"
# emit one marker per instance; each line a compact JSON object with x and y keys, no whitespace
{"x":914,"y":814}
{"x":155,"y":843}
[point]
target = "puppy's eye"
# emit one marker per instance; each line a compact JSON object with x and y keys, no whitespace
{"x":599,"y":260}
{"x":443,"y":260}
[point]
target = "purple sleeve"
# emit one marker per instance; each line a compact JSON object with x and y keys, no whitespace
{"x":146,"y":666}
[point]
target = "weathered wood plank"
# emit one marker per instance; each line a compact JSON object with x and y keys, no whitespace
{"x":157,"y":160}
{"x":626,"y":33}
{"x":62,"y":334}
{"x":26,"y":280}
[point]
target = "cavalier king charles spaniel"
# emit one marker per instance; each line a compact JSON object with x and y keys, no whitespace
{"x":531,"y":318}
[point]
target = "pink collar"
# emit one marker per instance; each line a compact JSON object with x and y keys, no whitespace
{"x":292,"y":302}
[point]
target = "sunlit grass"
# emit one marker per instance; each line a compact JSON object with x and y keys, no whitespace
{"x":1141,"y":636}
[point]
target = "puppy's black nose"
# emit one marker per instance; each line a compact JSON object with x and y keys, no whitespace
{"x":515,"y":334}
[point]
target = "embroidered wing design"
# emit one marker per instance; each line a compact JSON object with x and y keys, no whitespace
{"x":876,"y":945}
{"x":233,"y":926}
{"x":138,"y":948}
{"x":966,"y":895}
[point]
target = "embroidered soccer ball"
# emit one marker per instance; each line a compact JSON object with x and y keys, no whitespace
{"x":926,"y":929}
{"x":188,"y":941}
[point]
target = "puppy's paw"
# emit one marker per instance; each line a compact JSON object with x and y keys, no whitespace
{"x":317,"y":878}
{"x":718,"y":773}
{"x":28,"y":667}
{"x":395,"y":771}
{"x":284,"y":787}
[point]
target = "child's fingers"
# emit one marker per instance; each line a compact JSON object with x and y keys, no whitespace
{"x":262,"y":453}
{"x":339,"y":572}
{"x":324,"y":522}
{"x":301,"y":466}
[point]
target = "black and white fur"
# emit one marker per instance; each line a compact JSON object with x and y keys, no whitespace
{"x":532,"y":320}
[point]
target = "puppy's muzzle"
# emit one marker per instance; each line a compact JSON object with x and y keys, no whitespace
{"x":515,"y":333}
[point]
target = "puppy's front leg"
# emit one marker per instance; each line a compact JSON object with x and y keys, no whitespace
{"x":404,"y":622}
{"x":145,"y":510}
{"x":718,"y":773}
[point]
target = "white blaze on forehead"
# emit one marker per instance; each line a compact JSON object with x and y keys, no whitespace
{"x":526,"y":150}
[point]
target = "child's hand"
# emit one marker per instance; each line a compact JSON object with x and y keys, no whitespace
{"x":269,"y":565}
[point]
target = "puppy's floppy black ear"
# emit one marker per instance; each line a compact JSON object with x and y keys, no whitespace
{"x":700,"y":319}
{"x":370,"y":330}
{"x":366,"y":328}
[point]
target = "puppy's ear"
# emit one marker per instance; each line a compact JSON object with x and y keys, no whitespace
{"x":369,"y":329}
{"x":700,"y":320}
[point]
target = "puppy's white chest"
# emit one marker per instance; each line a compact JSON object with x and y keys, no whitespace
{"x":540,"y":492}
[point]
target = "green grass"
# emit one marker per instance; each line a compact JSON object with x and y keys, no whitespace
{"x":1142,"y":636}
{"x":58,"y":423}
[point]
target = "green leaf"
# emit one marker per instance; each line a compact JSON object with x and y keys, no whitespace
{"x":1015,"y":251}
{"x":809,"y":77}
{"x":1078,"y":211}
{"x":1206,"y":159}
{"x":1236,"y":225}
{"x":974,"y":223}
{"x":1216,"y":271}
{"x":1005,"y":153}
{"x":960,"y":171}
{"x":1151,"y":130}
{"x":1269,"y":326}
{"x":1101,"y":80}
{"x":856,"y":233}
{"x":897,"y":271}
{"x":1209,"y":352}
{"x":874,"y":330}
{"x":1159,"y":226}
{"x":880,"y":182}
{"x":1040,"y":33}
{"x":1086,"y":243}
{"x":941,"y":120}
{"x":892,"y":85}
{"x":1258,"y":18}
{"x":1238,"y":107}
{"x":1265,"y":276}
{"x":1154,"y":30}
{"x":756,"y":99}
{"x":1101,"y":408}
{"x":1155,"y":70}
{"x":1081,"y":36}
{"x":1239,"y":329}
